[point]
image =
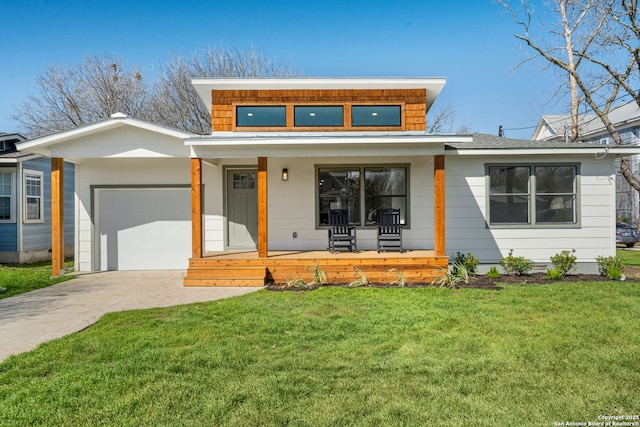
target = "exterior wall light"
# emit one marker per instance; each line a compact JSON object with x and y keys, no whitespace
{"x":285,"y":174}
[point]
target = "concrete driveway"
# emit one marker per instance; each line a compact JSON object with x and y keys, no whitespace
{"x":42,"y":315}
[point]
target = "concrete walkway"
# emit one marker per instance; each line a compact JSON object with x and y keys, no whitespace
{"x":42,"y":315}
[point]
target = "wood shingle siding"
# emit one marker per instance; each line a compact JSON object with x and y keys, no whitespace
{"x":412,"y":101}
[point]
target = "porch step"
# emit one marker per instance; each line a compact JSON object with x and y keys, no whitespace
{"x":225,"y":276}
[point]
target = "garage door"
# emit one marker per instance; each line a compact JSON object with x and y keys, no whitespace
{"x":143,"y":229}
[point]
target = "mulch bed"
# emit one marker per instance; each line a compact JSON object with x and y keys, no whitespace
{"x":476,"y":282}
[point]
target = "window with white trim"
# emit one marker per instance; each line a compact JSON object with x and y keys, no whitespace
{"x":542,"y":194}
{"x":362,"y":191}
{"x":33,"y":196}
{"x":7,"y":195}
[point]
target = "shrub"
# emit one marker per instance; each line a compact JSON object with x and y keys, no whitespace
{"x":564,"y":262}
{"x":362,"y":281}
{"x":609,"y":264}
{"x":453,"y":278}
{"x":554,"y":274}
{"x":400,"y":281}
{"x":493,"y":272}
{"x":319,"y":276}
{"x":299,"y":283}
{"x":516,"y":265}
{"x":614,"y":273}
{"x":469,"y":261}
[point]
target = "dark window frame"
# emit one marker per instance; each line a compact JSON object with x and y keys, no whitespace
{"x":362,"y":197}
{"x":281,"y":123}
{"x":314,"y":109}
{"x":535,"y":196}
{"x":396,"y":123}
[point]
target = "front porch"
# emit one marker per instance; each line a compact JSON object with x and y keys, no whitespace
{"x":246,"y":268}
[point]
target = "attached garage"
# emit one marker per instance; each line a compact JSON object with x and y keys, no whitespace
{"x":142,"y":228}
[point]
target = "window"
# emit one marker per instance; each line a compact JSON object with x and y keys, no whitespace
{"x":385,"y":188}
{"x":318,"y":115}
{"x":261,"y":116}
{"x":6,"y":146}
{"x":604,"y":141}
{"x":7,"y":196}
{"x":362,"y":191}
{"x":33,"y":200}
{"x":375,"y":115}
{"x":339,"y":188}
{"x":532,"y":194}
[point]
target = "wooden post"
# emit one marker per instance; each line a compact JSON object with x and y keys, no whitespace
{"x":438,"y":206}
{"x":57,"y":216}
{"x":263,"y":222}
{"x":196,"y":208}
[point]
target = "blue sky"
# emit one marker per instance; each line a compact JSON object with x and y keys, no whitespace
{"x":469,"y":43}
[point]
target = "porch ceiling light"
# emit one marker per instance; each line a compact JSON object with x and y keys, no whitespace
{"x":285,"y":174}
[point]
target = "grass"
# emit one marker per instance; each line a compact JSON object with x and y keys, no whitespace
{"x":526,"y":355}
{"x":18,"y":279}
{"x":629,"y":257}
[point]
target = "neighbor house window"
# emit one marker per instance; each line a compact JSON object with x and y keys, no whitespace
{"x":261,"y":116}
{"x":319,"y":115}
{"x":33,"y":196}
{"x":363,"y":191}
{"x":7,"y":195}
{"x":532,"y":194}
{"x":375,"y":115}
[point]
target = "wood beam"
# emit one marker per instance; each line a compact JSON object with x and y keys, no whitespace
{"x":57,"y":216}
{"x":438,"y":206}
{"x":263,"y":222}
{"x":196,"y":208}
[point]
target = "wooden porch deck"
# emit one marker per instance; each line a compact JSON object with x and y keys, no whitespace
{"x":245,"y":268}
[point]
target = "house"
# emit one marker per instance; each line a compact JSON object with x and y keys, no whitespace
{"x":250,"y":202}
{"x":25,"y":204}
{"x":626,"y":119}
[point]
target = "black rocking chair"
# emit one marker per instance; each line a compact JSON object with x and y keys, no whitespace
{"x":389,"y":230}
{"x":341,"y":234}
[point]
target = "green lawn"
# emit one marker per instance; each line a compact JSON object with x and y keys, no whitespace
{"x":18,"y":279}
{"x":523,"y":356}
{"x":629,"y":257}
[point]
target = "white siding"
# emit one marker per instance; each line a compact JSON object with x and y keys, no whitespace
{"x":466,"y":206}
{"x":125,"y":141}
{"x":118,"y":172}
{"x":292,"y":204}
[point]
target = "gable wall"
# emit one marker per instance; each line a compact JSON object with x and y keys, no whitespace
{"x":123,"y":141}
{"x":224,"y":101}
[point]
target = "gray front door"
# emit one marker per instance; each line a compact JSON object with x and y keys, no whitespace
{"x":242,"y":208}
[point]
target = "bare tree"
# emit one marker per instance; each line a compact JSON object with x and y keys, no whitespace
{"x":443,"y":119}
{"x":83,"y":93}
{"x":102,"y":85}
{"x":176,"y":103}
{"x":596,"y":44}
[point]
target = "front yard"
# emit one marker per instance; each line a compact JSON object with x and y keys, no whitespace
{"x":526,"y":355}
{"x":18,"y":279}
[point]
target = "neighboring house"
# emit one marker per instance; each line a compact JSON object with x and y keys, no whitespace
{"x":626,"y":119}
{"x":250,"y":201}
{"x":25,"y":204}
